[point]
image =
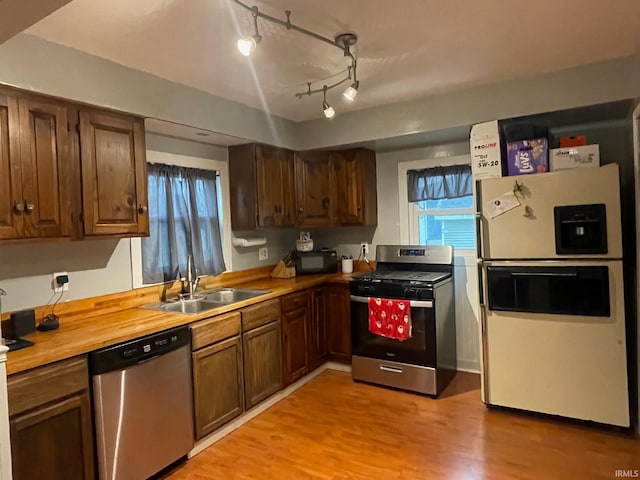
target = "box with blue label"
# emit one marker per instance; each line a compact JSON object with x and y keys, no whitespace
{"x":528,"y":156}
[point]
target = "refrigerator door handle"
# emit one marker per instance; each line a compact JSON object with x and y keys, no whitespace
{"x":479,"y":219}
{"x":485,"y":354}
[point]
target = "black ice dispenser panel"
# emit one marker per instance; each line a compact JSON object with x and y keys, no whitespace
{"x":581,"y":229}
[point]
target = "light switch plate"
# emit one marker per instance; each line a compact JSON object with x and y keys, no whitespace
{"x":263,"y":254}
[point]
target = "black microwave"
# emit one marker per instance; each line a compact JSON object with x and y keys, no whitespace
{"x":318,"y":261}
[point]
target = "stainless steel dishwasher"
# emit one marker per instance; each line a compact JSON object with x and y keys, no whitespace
{"x":143,"y":404}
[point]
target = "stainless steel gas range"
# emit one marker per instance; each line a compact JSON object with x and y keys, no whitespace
{"x":426,"y":362}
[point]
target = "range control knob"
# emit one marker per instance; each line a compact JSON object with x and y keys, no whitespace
{"x":411,"y":292}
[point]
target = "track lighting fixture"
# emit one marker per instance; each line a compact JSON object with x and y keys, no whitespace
{"x":247,"y":44}
{"x":344,"y":42}
{"x":329,"y":111}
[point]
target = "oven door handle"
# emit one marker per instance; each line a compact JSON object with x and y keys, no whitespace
{"x":413,"y":303}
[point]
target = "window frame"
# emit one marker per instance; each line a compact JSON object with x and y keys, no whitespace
{"x":409,"y":213}
{"x":222,"y":167}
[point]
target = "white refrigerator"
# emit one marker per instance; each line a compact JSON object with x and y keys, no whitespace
{"x":552,"y":303}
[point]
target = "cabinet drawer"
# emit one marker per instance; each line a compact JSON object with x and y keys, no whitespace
{"x":42,"y":385}
{"x":214,"y":329}
{"x":295,"y":301}
{"x":260,"y":314}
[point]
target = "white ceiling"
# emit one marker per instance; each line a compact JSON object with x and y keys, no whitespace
{"x":406,"y":49}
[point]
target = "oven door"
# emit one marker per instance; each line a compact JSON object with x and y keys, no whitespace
{"x":420,"y":349}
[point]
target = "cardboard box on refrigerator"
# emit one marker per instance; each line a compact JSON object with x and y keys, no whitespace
{"x":486,"y":160}
{"x":574,"y":157}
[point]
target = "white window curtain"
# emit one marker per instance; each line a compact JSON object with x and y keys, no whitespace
{"x":183,"y":220}
{"x":436,"y":183}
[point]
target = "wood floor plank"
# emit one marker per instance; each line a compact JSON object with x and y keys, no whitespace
{"x":335,"y":429}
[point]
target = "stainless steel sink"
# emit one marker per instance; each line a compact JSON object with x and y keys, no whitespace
{"x":206,"y":301}
{"x":227,"y":296}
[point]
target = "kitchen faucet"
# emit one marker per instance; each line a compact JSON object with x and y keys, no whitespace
{"x":192,"y":279}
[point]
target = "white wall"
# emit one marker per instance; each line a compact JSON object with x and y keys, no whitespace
{"x":95,"y":267}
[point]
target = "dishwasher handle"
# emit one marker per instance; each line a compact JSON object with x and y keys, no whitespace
{"x":142,"y":349}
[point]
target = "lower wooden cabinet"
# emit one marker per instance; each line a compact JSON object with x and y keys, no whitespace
{"x":296,"y":323}
{"x":262,"y":363}
{"x":316,"y":334}
{"x":338,"y":318}
{"x":218,"y":386}
{"x":50,"y":422}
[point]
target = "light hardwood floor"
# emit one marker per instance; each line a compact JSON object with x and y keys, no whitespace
{"x":333,"y":428}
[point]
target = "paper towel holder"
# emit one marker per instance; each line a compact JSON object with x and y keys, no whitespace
{"x":248,"y":242}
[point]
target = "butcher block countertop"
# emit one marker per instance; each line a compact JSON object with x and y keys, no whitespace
{"x":82,"y":330}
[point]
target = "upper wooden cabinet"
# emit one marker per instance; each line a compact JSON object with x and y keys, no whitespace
{"x":355,"y":184}
{"x":69,"y":171}
{"x":315,"y":192}
{"x":37,"y":171}
{"x":261,"y":179}
{"x":331,"y":188}
{"x":114,"y":174}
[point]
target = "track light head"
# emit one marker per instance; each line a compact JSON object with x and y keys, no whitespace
{"x":247,"y":44}
{"x":352,"y":91}
{"x":329,"y":111}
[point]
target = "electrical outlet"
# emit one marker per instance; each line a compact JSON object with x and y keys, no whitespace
{"x":263,"y":254}
{"x":54,"y":282}
{"x":364,"y":248}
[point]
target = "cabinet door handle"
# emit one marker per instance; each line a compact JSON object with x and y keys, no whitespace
{"x":28,"y":206}
{"x":18,"y":207}
{"x":359,"y":208}
{"x":142,"y":209}
{"x":301,"y":209}
{"x":325,"y":203}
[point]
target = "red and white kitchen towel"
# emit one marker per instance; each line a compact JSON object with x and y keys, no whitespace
{"x":390,"y":318}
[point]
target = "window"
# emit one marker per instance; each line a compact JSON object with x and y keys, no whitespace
{"x":445,"y":222}
{"x":184,"y":219}
{"x":436,"y":203}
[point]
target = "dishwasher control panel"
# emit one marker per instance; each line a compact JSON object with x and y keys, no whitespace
{"x":138,"y":350}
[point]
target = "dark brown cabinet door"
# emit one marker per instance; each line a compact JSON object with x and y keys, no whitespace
{"x":338,"y":318}
{"x":11,"y":201}
{"x":274,"y":184}
{"x":47,"y":167}
{"x":355,"y":180}
{"x":217,"y":385}
{"x":54,"y":441}
{"x":294,"y":344}
{"x":114,"y":174}
{"x":317,"y":337}
{"x":262,"y":363}
{"x":315,"y":189}
{"x":348,"y":170}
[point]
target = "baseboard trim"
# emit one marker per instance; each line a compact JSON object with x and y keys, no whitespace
{"x":212,"y":438}
{"x":340,"y":367}
{"x":469,"y":366}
